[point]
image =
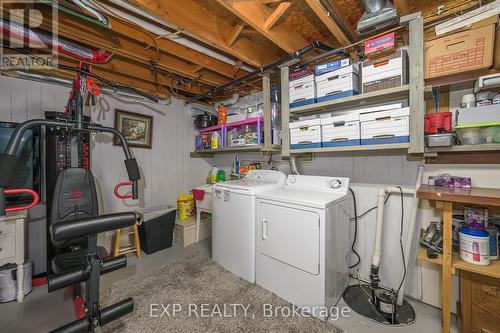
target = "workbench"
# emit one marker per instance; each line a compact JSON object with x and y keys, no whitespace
{"x":445,"y":197}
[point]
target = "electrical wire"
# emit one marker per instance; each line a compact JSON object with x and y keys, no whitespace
{"x":370,"y":210}
{"x":401,"y":242}
{"x":355,"y":230}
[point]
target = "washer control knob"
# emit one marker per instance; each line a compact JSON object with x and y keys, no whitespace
{"x":335,"y":184}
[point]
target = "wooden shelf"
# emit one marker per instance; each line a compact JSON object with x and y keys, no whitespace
{"x":245,"y":149}
{"x":381,"y":96}
{"x":464,"y":148}
{"x":351,"y":148}
{"x":474,"y":195}
{"x":492,"y":270}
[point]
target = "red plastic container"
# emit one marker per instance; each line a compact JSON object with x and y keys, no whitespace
{"x":437,"y":123}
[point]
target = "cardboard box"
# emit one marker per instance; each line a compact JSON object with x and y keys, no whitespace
{"x":342,"y":130}
{"x":185,"y":231}
{"x":387,"y":72}
{"x":459,"y":52}
{"x":305,"y":134}
{"x":382,"y":127}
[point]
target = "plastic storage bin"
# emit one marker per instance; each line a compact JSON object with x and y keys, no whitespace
{"x":204,"y":137}
{"x":246,"y":132}
{"x":157,"y":228}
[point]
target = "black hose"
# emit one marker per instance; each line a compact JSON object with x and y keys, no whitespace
{"x":401,"y":241}
{"x":355,"y":230}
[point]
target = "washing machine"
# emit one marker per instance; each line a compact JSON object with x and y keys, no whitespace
{"x":303,"y":241}
{"x":233,"y":220}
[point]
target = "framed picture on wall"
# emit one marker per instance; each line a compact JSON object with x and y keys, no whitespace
{"x":137,"y":128}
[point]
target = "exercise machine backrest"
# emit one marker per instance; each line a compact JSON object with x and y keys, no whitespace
{"x":74,"y":197}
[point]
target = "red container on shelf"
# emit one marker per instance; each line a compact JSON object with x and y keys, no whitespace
{"x":437,"y":123}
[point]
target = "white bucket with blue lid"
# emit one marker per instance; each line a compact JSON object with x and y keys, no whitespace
{"x":474,"y":246}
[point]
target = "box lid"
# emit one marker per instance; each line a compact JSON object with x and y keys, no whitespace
{"x":305,"y":123}
{"x":384,"y":114}
{"x":353,"y":116}
{"x":335,"y":74}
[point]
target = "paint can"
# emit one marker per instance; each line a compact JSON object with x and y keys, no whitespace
{"x":474,"y":246}
{"x":493,"y":232}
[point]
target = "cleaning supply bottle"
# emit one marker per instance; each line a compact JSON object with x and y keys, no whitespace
{"x":236,"y":165}
{"x":214,"y":140}
{"x":213,"y":176}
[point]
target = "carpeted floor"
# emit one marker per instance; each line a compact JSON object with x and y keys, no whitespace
{"x":197,"y":295}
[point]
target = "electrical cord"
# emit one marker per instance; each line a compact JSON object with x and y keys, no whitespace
{"x":371,"y":209}
{"x":401,"y":242}
{"x":355,"y":230}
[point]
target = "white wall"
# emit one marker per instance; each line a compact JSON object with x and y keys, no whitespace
{"x":167,"y":169}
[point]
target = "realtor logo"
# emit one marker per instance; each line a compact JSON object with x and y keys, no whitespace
{"x":28,"y":34}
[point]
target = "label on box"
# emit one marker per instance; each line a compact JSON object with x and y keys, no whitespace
{"x":300,"y":73}
{"x":380,"y":43}
{"x":332,"y":65}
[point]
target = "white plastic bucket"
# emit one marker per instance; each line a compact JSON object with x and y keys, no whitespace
{"x":474,"y":246}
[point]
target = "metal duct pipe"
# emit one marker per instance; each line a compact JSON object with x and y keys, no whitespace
{"x":372,"y":6}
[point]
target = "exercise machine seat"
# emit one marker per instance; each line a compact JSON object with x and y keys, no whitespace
{"x":74,"y":259}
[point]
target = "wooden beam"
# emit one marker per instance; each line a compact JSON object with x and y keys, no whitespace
{"x":235,"y":34}
{"x":127,"y":72}
{"x":328,"y":21}
{"x":194,"y":18}
{"x":105,"y":39}
{"x":170,"y":47}
{"x":277,"y":14}
{"x":401,"y":7}
{"x":256,"y":14}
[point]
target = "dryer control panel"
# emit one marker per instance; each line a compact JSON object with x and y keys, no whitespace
{"x":316,"y":183}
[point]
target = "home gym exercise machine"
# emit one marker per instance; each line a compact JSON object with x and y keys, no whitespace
{"x":72,"y":217}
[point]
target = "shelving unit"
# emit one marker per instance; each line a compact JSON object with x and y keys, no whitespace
{"x":403,"y":146}
{"x":413,"y":92}
{"x":444,"y":198}
{"x":360,"y":100}
{"x":267,"y":147}
{"x":243,"y":149}
{"x":465,"y":148}
{"x":492,"y":270}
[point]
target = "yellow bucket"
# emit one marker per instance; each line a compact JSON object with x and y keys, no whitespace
{"x":185,"y":206}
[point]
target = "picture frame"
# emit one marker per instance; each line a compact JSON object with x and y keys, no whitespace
{"x":137,"y":128}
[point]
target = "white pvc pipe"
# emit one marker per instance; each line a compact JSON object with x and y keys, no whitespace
{"x":167,"y":34}
{"x":412,"y":228}
{"x":377,"y":252}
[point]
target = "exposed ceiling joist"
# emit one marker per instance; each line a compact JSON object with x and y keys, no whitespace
{"x":197,"y":20}
{"x":173,"y":48}
{"x":328,"y":21}
{"x":236,"y":33}
{"x":402,"y":7}
{"x":277,"y":14}
{"x":78,"y":31}
{"x":255,"y":14}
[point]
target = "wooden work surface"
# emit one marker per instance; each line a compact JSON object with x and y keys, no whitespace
{"x":473,"y":195}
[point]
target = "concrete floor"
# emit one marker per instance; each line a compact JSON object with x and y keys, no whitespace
{"x":42,"y":311}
